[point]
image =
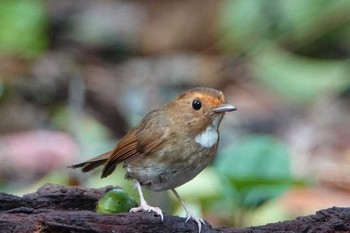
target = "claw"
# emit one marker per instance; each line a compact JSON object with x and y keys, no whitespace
{"x":189,"y":214}
{"x":199,"y":221}
{"x":148,"y":208}
{"x":144,"y":206}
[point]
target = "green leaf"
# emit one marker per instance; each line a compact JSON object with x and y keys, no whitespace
{"x":298,"y":79}
{"x":2,"y":89}
{"x":23,"y":27}
{"x":254,"y":170}
{"x":241,"y":24}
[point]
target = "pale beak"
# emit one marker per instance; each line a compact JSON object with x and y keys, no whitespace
{"x":224,"y":108}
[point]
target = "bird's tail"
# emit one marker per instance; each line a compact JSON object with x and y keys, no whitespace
{"x":92,"y":163}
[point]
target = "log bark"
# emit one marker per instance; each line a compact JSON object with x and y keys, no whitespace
{"x":57,"y":208}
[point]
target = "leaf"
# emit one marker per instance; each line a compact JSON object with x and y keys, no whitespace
{"x":241,"y":23}
{"x":254,"y":170}
{"x":299,"y":79}
{"x":23,"y":27}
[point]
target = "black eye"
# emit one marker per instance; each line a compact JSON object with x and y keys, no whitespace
{"x":196,"y":104}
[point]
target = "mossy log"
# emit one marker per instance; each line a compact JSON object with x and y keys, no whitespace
{"x":57,"y":208}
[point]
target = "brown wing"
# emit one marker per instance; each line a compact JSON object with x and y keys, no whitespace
{"x":92,"y":163}
{"x":140,"y":141}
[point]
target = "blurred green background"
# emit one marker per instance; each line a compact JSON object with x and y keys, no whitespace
{"x":76,"y":75}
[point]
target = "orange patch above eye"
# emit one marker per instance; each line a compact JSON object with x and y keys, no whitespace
{"x":213,"y":101}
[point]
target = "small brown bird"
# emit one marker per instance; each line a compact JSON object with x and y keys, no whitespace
{"x":170,"y":146}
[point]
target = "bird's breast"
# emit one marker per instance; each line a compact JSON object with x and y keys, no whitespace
{"x":208,"y":137}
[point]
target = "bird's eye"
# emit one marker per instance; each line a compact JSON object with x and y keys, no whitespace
{"x":196,"y":104}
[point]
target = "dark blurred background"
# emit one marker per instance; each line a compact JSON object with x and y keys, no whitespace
{"x":76,"y":75}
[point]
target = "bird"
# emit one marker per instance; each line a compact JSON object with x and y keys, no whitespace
{"x":170,"y":146}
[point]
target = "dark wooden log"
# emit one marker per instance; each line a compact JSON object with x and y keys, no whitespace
{"x":56,"y":208}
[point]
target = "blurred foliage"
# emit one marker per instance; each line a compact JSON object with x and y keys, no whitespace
{"x":91,"y":135}
{"x":299,"y":79}
{"x":23,"y":27}
{"x":280,"y":41}
{"x":2,"y":89}
{"x":255,"y":170}
{"x":245,"y":24}
{"x":241,"y":25}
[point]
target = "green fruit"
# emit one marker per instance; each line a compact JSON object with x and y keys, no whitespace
{"x":115,"y":201}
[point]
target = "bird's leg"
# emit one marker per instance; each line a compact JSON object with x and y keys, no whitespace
{"x":143,"y":204}
{"x":189,"y":214}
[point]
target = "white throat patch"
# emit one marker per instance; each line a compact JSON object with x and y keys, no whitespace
{"x":210,"y":135}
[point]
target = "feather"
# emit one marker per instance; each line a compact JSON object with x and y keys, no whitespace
{"x":92,"y":163}
{"x":140,"y":141}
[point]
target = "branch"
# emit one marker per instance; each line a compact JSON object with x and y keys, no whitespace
{"x":56,"y":208}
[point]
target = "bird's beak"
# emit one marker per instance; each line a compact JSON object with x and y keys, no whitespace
{"x":224,"y":108}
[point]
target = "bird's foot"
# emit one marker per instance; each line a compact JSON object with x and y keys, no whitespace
{"x":148,"y":208}
{"x":199,"y":221}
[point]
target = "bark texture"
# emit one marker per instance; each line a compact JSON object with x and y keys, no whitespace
{"x":56,"y":208}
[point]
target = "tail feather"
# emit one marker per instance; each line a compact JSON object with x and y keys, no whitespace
{"x":92,"y":163}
